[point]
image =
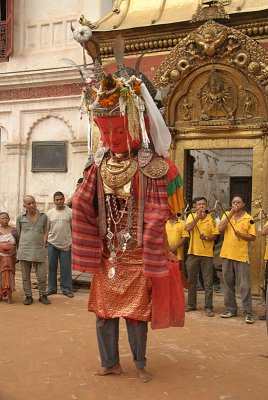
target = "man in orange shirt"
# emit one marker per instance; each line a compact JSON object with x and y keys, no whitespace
{"x":264,"y":232}
{"x":203,"y":232}
{"x":238,"y":230}
{"x":177,"y":235}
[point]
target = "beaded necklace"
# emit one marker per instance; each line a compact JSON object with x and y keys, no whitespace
{"x":118,"y":236}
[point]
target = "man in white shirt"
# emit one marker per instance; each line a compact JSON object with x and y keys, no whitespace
{"x":59,"y":238}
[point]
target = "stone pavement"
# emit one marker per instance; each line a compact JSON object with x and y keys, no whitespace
{"x":50,"y":353}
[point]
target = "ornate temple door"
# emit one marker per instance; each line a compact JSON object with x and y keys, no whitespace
{"x":242,"y":185}
{"x":217,"y":84}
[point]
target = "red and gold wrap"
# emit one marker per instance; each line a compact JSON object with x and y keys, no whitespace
{"x":147,"y":285}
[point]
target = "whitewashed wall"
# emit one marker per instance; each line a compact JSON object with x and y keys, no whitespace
{"x":42,"y":38}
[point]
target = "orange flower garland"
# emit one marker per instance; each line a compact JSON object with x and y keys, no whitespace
{"x":110,"y":84}
{"x":137,"y":87}
{"x":110,"y":100}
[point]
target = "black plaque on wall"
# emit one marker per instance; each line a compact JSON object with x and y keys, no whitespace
{"x":49,"y":156}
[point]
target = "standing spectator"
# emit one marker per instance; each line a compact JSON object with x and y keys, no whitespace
{"x":70,"y":200}
{"x":31,"y":226}
{"x":216,"y":279}
{"x":8,"y":242}
{"x":203,"y":232}
{"x":59,"y":237}
{"x":264,"y":232}
{"x":200,"y":284}
{"x":239,"y":230}
{"x":177,"y":235}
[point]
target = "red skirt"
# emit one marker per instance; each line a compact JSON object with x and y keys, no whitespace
{"x":168,"y":308}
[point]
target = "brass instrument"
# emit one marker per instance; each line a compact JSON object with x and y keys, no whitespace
{"x":224,"y":212}
{"x":195,"y":223}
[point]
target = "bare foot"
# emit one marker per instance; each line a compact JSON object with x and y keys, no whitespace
{"x":115,"y":370}
{"x":143,"y":375}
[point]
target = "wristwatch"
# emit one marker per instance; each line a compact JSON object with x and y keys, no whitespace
{"x":206,"y":237}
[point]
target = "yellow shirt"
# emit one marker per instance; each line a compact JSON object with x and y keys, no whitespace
{"x":174,"y":233}
{"x":266,"y":252}
{"x":232,"y":247}
{"x":206,"y":226}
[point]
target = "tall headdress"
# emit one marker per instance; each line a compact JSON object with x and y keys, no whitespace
{"x":126,"y":93}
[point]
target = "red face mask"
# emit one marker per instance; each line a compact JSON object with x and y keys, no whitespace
{"x":114,"y":133}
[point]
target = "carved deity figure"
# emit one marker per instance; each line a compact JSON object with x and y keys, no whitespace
{"x":185,"y":110}
{"x":211,"y":40}
{"x":215,"y":98}
{"x":230,"y":47}
{"x":191,"y":52}
{"x":248,"y":106}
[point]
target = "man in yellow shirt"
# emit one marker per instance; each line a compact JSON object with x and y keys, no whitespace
{"x":203,"y":232}
{"x":264,"y":232}
{"x":177,"y":235}
{"x":238,"y":230}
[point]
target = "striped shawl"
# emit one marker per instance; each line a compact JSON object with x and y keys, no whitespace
{"x":87,"y":244}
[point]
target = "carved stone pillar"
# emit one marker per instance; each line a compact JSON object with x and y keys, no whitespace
{"x":264,"y":201}
{"x":259,"y":187}
{"x":16,"y":153}
{"x":79,"y":146}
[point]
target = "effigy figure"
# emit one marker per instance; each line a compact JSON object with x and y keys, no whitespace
{"x":130,"y":189}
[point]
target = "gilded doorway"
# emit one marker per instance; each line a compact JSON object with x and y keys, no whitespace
{"x":258,"y":149}
{"x":216,"y":98}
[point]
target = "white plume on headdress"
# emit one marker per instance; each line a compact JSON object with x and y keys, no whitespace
{"x":159,"y":132}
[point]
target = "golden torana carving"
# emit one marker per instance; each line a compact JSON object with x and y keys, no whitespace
{"x":216,"y":76}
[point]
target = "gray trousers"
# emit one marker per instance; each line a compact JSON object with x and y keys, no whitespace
{"x":236,"y":274}
{"x":108,"y":337}
{"x":194,"y":264}
{"x":40,"y":270}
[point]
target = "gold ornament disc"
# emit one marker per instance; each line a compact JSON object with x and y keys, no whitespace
{"x":156,"y":168}
{"x":118,"y":174}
